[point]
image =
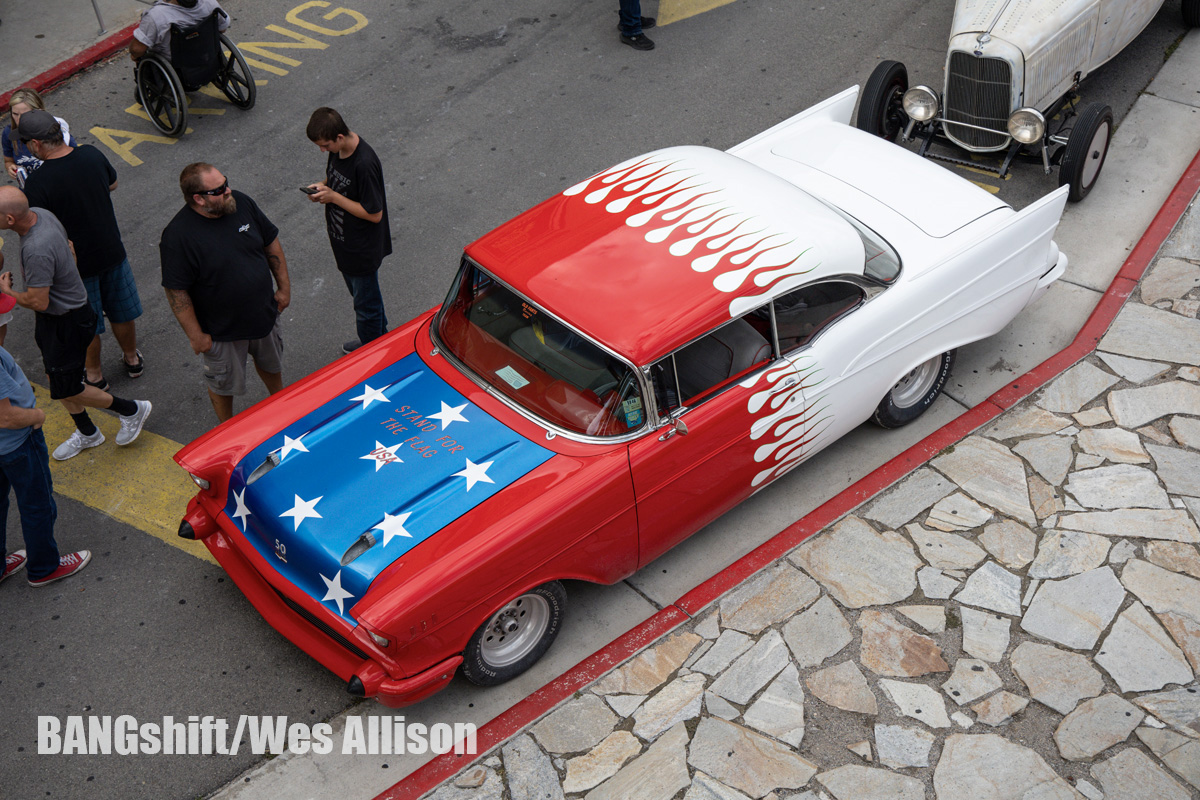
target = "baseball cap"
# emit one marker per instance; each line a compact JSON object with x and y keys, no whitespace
{"x":37,"y":124}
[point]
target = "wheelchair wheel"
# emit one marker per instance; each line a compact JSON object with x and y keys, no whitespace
{"x":161,"y":95}
{"x":234,"y":77}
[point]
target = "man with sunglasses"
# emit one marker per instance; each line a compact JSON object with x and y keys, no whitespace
{"x":226,"y":280}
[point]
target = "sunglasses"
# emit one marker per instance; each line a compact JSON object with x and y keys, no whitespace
{"x":217,"y":192}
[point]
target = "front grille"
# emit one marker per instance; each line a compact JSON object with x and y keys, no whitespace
{"x":977,"y":92}
{"x":321,"y":625}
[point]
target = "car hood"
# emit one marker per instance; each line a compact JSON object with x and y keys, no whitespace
{"x":341,"y":493}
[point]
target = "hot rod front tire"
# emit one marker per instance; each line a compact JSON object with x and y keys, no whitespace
{"x":1086,"y":149}
{"x":516,"y":636}
{"x":880,"y":111}
{"x":915,"y":392}
{"x":1191,"y":13}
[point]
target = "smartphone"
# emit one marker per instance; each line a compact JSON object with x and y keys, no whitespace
{"x":308,"y":190}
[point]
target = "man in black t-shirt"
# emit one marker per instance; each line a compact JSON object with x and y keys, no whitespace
{"x":75,"y":188}
{"x":219,"y":256}
{"x":356,"y":217}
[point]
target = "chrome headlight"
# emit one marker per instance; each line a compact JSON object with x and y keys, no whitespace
{"x":201,"y":482}
{"x":920,"y":103}
{"x":1026,"y":125}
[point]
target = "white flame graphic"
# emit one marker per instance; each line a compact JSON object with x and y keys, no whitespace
{"x":669,"y":197}
{"x":788,"y":425}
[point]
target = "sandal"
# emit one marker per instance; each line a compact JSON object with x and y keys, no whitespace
{"x":135,"y":370}
{"x":101,"y":384}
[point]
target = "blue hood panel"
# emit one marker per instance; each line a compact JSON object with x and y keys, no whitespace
{"x":397,"y":458}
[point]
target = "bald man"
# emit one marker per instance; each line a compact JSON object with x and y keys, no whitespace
{"x":64,"y":324}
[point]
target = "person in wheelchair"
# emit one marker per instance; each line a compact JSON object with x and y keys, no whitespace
{"x":153,"y":33}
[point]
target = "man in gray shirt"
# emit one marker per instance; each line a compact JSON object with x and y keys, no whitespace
{"x":65,"y":323}
{"x":153,"y":33}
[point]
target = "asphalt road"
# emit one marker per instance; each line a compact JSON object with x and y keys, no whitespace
{"x":477,"y":111}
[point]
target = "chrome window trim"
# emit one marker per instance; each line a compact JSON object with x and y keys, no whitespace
{"x":448,"y":354}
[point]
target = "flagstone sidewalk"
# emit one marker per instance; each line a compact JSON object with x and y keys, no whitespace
{"x":1017,"y":619}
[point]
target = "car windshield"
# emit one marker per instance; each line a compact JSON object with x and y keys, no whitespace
{"x":536,"y":361}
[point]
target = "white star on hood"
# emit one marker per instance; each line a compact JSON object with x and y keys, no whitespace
{"x":448,"y":414}
{"x":302,"y":511}
{"x":383,"y":455}
{"x":335,"y":591}
{"x":474,"y":473}
{"x":393,"y":526}
{"x":370,"y":395}
{"x":290,"y":444}
{"x":241,"y":512}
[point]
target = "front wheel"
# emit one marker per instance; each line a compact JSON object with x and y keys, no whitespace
{"x":516,"y":636}
{"x":915,"y":392}
{"x":1191,"y":13}
{"x":1086,"y":148}
{"x":880,"y":109}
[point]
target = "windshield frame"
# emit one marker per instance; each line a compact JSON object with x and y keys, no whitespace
{"x":650,"y":410}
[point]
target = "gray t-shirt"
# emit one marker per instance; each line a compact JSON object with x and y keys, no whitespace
{"x":46,"y":261}
{"x":154,"y":30}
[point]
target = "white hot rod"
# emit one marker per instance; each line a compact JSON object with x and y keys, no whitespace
{"x":1012,"y":71}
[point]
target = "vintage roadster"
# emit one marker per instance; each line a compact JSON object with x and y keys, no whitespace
{"x":1012,"y":72}
{"x":610,"y":371}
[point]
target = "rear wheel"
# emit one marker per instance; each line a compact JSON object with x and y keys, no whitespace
{"x":516,"y":636}
{"x":161,"y":94}
{"x":234,"y":78}
{"x":915,"y":392}
{"x":880,"y":110}
{"x":1086,"y":148}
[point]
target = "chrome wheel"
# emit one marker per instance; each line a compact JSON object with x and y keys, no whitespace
{"x":515,"y":630}
{"x":913,"y":387}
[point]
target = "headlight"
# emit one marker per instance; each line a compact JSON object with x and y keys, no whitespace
{"x":920,"y":103}
{"x":203,"y":484}
{"x":1026,"y":125}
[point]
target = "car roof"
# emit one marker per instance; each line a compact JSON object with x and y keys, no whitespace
{"x":658,"y":250}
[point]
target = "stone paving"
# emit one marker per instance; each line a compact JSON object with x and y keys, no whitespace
{"x":1018,"y":619}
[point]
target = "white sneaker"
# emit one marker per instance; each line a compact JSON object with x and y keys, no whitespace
{"x":131,"y":426}
{"x":77,"y":444}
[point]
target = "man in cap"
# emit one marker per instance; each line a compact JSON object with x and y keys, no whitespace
{"x":74,"y":184}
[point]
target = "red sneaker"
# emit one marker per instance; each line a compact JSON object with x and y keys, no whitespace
{"x":13,"y":563}
{"x":68,"y":565}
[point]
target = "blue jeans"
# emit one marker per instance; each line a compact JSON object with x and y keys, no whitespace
{"x":631,"y":17}
{"x":369,"y":317}
{"x":26,"y":471}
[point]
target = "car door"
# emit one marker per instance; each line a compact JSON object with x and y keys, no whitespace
{"x":700,"y":461}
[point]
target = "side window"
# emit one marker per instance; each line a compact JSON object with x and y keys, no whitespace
{"x":710,"y":362}
{"x":802,"y":314}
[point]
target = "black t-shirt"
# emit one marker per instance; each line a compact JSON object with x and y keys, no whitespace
{"x":358,"y":246}
{"x":221,"y":264}
{"x":75,"y":189}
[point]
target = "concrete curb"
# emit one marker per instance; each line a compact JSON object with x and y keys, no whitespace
{"x":73,"y":66}
{"x":585,"y":672}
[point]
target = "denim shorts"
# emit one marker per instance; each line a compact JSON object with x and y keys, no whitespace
{"x":114,"y":294}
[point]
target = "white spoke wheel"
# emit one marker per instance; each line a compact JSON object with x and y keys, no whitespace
{"x":515,"y":636}
{"x":914,"y":392}
{"x":1086,"y":149}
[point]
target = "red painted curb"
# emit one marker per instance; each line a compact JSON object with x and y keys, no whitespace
{"x":536,"y":704}
{"x":439,"y":769}
{"x":57,"y":74}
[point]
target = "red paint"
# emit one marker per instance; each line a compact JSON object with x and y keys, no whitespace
{"x":439,"y":769}
{"x":59,"y":73}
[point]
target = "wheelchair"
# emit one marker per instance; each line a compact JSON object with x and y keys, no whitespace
{"x":198,"y":56}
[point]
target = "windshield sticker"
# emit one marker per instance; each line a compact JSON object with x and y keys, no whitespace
{"x":511,"y":377}
{"x":633,"y":411}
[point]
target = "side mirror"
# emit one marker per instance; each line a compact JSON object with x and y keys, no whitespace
{"x":677,"y":426}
